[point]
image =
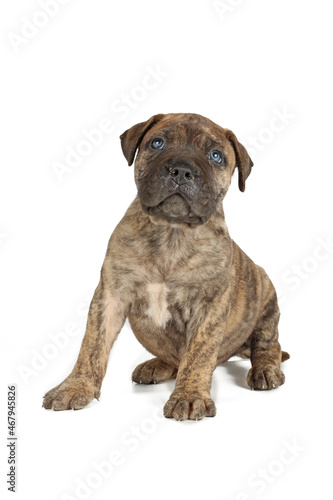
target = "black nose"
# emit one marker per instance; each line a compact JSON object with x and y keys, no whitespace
{"x":181,"y":174}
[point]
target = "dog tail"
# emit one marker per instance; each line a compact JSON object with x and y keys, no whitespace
{"x":246,"y":354}
{"x":284,"y":356}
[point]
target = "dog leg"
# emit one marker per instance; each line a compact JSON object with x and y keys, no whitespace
{"x":105,"y":320}
{"x":153,"y":372}
{"x":191,"y":397}
{"x":266,"y":354}
{"x":246,"y":354}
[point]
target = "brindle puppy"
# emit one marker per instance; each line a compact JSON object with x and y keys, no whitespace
{"x":192,"y":296}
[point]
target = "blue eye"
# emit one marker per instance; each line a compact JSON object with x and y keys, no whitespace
{"x":216,"y":156}
{"x":157,"y":143}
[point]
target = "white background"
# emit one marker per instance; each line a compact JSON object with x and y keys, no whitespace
{"x":238,"y":68}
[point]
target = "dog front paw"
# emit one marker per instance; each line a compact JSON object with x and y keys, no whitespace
{"x":265,"y":378}
{"x":193,"y":407}
{"x":72,"y":394}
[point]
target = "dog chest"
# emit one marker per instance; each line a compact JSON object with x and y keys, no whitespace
{"x":157,"y":310}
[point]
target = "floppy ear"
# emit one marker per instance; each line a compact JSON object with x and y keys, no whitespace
{"x":243,"y":161}
{"x":131,"y":138}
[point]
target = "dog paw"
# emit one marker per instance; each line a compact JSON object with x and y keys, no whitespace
{"x":189,"y":407}
{"x":71,"y":394}
{"x":265,"y":378}
{"x":153,"y":372}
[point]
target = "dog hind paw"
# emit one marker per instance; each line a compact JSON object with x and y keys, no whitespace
{"x":265,"y":378}
{"x":153,"y":372}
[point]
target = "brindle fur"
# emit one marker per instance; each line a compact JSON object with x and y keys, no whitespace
{"x":192,"y":296}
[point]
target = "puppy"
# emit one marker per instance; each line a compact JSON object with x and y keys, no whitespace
{"x":192,"y":296}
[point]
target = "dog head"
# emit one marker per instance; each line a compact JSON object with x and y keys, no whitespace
{"x":184,"y":166}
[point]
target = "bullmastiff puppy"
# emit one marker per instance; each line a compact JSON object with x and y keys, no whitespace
{"x":192,"y":296}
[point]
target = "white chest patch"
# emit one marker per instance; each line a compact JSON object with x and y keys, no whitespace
{"x":158,"y":305}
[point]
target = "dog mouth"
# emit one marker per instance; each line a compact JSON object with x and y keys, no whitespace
{"x":175,"y":208}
